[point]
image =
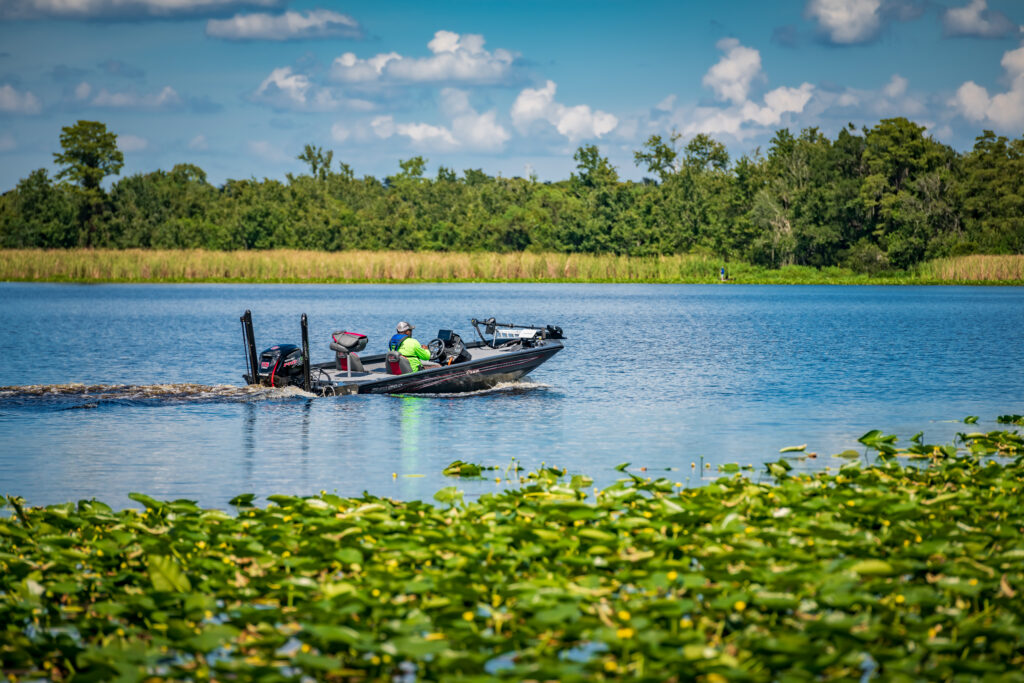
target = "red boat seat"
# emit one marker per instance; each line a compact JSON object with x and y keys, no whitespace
{"x":344,"y":360}
{"x":397,"y":364}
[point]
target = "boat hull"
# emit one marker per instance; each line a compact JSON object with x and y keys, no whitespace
{"x":464,"y":377}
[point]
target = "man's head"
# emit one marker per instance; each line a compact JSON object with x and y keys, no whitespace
{"x":404,"y":328}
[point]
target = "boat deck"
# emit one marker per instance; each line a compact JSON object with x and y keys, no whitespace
{"x":375,"y":367}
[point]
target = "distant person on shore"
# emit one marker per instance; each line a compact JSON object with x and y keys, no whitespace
{"x":403,"y":343}
{"x":721,"y":274}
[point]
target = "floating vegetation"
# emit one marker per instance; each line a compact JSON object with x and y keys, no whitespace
{"x":899,"y":570}
{"x":458,"y":468}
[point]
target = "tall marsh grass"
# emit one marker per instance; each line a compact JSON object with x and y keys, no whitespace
{"x":143,"y":265}
{"x":975,"y":268}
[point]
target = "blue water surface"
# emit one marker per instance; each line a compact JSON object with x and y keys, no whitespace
{"x":660,"y":376}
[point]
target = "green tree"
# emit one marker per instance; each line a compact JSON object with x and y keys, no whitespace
{"x":89,"y":155}
{"x":659,"y":156}
{"x":597,"y":184}
{"x":37,"y":213}
{"x":898,"y":156}
{"x":595,"y":171}
{"x":319,"y":162}
{"x":993,"y":196}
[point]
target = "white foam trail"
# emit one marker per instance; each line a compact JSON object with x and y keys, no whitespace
{"x":183,"y":392}
{"x":501,"y":387}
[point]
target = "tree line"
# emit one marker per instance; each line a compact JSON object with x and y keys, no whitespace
{"x":870,"y":199}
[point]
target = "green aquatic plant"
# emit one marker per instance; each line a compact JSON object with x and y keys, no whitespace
{"x":458,"y":468}
{"x":904,"y":571}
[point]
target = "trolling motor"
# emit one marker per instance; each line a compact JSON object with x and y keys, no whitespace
{"x":281,"y":365}
{"x":504,"y":334}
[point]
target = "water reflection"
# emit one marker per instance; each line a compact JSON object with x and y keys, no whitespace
{"x":410,"y":414}
{"x":248,"y":439}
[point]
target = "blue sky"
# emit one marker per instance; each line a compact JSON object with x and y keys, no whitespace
{"x":238,"y":87}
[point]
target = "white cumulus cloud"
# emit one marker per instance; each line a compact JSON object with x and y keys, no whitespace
{"x":846,"y":21}
{"x":896,"y":87}
{"x":425,"y":134}
{"x":167,"y":98}
{"x":383,"y":126}
{"x":268,"y":151}
{"x":316,"y":23}
{"x":350,"y":69}
{"x":132,"y":143}
{"x":576,"y":123}
{"x":340,"y":133}
{"x":972,"y":101}
{"x":666,"y":104}
{"x":468,"y":129}
{"x":82,"y":91}
{"x":975,"y":19}
{"x":198,"y":143}
{"x":731,"y":77}
{"x":122,"y":9}
{"x":743,"y":119}
{"x":14,"y":101}
{"x":285,"y":89}
{"x":1004,"y":110}
{"x":891,"y":99}
{"x":456,"y":59}
{"x":740,"y":116}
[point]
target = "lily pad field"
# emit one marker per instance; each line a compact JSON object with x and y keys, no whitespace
{"x":898,"y":562}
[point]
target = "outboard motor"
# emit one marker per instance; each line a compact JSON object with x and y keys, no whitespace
{"x":281,"y":366}
{"x":553,"y":332}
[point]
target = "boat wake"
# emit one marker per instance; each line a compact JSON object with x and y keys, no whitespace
{"x":513,"y":388}
{"x":85,"y":396}
{"x":89,"y":396}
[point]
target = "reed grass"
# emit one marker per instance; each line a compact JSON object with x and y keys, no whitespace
{"x":291,"y":266}
{"x":975,"y":268}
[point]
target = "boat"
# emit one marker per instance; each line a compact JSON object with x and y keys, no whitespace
{"x":502,"y":352}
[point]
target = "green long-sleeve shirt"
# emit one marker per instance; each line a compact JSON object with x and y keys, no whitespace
{"x":414,"y":351}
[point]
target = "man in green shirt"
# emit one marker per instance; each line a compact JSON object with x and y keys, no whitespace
{"x":404,"y":344}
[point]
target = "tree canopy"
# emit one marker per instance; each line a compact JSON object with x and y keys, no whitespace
{"x":89,"y":154}
{"x":871,"y":199}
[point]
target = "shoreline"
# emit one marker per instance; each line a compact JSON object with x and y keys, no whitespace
{"x":139,"y":266}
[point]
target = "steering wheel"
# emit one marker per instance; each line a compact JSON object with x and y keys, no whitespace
{"x":437,"y":351}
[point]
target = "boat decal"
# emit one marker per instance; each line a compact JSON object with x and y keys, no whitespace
{"x":434,"y":380}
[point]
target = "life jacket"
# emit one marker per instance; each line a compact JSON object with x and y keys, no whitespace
{"x":396,"y":341}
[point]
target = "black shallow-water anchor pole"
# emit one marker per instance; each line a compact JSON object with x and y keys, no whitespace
{"x":250,"y":341}
{"x":305,"y":354}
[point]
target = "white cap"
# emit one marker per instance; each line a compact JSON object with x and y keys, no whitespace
{"x":404,"y":327}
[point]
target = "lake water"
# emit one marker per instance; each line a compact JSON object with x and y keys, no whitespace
{"x":659,"y":376}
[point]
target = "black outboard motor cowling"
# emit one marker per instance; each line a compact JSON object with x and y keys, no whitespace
{"x":281,"y":366}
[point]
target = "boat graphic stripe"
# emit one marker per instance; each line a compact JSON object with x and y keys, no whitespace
{"x":515,"y":363}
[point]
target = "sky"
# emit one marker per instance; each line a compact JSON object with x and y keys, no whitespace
{"x":512,"y":87}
